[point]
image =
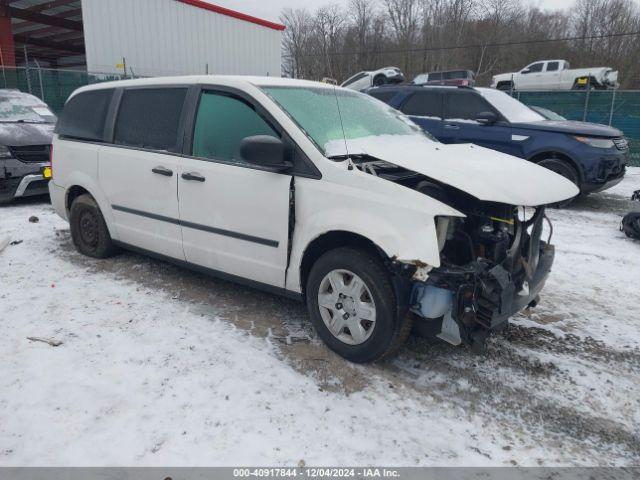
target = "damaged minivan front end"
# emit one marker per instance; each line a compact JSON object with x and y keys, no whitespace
{"x":494,"y":263}
{"x":494,"y":260}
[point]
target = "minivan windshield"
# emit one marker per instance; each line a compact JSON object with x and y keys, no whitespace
{"x":17,"y":107}
{"x":513,"y":110}
{"x":329,"y":116}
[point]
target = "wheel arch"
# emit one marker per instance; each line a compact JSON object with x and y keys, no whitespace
{"x":331,"y":240}
{"x":558,"y":155}
{"x":74,"y":192}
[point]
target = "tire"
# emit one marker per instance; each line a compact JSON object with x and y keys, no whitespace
{"x":379,"y":80}
{"x":88,"y":229}
{"x":562,"y":167}
{"x":376,"y":339}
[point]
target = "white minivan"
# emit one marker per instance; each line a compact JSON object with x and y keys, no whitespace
{"x":311,"y":191}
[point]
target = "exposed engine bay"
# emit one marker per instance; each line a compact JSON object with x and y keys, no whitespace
{"x":493,"y":262}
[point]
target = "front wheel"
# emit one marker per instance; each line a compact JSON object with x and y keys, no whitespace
{"x":353,"y":306}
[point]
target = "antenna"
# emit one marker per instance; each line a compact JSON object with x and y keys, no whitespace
{"x":344,"y":135}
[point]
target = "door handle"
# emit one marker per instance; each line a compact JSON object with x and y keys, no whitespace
{"x":452,"y":126}
{"x":162,"y":171}
{"x":195,"y":177}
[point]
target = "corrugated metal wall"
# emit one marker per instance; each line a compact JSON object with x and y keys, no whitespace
{"x":166,"y":37}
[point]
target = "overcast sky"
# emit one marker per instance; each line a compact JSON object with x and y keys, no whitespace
{"x":270,"y":9}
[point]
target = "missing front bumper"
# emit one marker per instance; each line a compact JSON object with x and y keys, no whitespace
{"x":473,"y":301}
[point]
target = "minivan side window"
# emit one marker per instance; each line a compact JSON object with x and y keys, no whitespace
{"x":84,"y":115}
{"x":466,"y":105}
{"x":150,"y":118}
{"x":423,"y":104}
{"x":222,"y":122}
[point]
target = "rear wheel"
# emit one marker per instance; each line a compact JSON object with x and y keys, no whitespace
{"x":353,"y":306}
{"x":562,"y":167}
{"x":88,"y":229}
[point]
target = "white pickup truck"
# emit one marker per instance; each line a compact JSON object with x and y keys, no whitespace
{"x":556,"y":75}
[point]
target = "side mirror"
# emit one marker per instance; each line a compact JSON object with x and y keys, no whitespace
{"x":525,"y":71}
{"x":266,"y":151}
{"x":487,"y":118}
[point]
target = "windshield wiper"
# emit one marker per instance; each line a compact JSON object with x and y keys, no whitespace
{"x":356,"y":157}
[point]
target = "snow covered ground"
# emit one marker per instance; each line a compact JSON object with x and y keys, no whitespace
{"x":161,"y":366}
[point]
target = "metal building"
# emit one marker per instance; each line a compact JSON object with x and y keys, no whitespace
{"x":143,"y":37}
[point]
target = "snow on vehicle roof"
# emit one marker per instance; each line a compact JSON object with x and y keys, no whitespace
{"x":224,"y":80}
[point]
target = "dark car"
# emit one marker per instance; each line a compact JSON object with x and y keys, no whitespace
{"x":26,"y":129}
{"x":455,"y":78}
{"x":592,"y":156}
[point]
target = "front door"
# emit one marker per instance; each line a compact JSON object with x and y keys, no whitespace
{"x":234,"y":216}
{"x":139,"y":172}
{"x":533,"y":78}
{"x":462,"y":108}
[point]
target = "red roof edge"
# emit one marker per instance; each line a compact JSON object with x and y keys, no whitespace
{"x":233,"y":13}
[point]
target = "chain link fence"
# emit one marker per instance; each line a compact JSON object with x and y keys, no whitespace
{"x":618,"y":108}
{"x":52,"y":86}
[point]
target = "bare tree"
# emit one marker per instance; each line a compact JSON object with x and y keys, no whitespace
{"x":427,"y":35}
{"x":403,"y":16}
{"x":296,"y":41}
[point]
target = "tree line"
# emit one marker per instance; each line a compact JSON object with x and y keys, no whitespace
{"x":432,"y":35}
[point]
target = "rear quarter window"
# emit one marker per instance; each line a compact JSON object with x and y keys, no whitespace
{"x":84,"y":115}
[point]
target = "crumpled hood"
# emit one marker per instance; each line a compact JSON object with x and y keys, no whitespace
{"x":486,"y":174}
{"x":23,"y":134}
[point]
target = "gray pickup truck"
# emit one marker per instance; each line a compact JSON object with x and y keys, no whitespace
{"x":26,"y":129}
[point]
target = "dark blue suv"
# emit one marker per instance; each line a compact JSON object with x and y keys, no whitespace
{"x":593,"y":156}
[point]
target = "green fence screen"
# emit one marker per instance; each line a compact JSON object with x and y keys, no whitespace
{"x":620,"y":108}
